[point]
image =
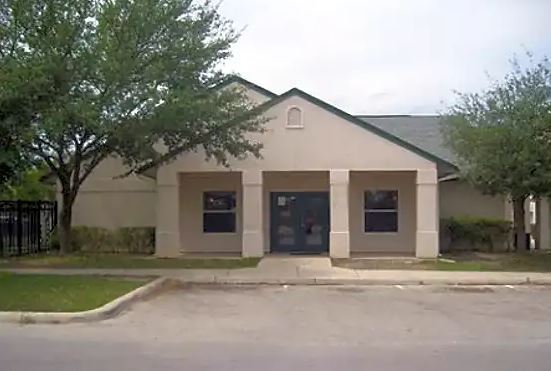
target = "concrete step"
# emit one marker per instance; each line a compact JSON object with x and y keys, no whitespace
{"x":286,"y":263}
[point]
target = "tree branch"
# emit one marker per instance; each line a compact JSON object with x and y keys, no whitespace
{"x":91,"y":166}
{"x":180,"y":149}
{"x":48,"y":160}
{"x":76,"y":169}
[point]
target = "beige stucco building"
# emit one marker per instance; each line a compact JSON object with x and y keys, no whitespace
{"x":327,"y":182}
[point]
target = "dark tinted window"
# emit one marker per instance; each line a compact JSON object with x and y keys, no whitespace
{"x":218,"y":201}
{"x":381,"y":200}
{"x":218,"y":222}
{"x":381,"y":211}
{"x":381,"y":222}
{"x":219,"y":212}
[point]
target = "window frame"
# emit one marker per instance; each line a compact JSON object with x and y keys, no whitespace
{"x":366,"y":211}
{"x":227,"y":211}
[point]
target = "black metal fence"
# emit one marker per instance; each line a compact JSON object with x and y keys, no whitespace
{"x":26,"y":226}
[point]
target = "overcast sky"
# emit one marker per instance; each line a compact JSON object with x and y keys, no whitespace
{"x":384,"y":56}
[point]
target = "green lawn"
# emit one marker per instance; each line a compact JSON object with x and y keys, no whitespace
{"x":484,"y":262}
{"x":51,"y":293}
{"x":125,"y":262}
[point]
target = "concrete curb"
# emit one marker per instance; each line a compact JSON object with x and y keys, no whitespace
{"x":252,"y":276}
{"x":106,"y":311}
{"x":116,"y":306}
{"x":311,"y":281}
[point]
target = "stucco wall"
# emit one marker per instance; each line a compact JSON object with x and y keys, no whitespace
{"x":327,"y":141}
{"x":192,"y":186}
{"x":458,"y":198}
{"x":114,"y":203}
{"x":402,"y":241}
{"x":292,"y":159}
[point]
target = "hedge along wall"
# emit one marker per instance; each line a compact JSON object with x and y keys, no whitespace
{"x":122,"y":240}
{"x":476,"y":234}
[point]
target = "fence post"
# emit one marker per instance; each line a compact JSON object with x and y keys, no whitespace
{"x":55,"y":216}
{"x":39,"y":227}
{"x":19,"y":226}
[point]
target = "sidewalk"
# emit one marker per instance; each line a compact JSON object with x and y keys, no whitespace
{"x":313,"y":271}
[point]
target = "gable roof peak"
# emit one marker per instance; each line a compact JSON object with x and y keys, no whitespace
{"x":251,"y":85}
{"x":447,"y":166}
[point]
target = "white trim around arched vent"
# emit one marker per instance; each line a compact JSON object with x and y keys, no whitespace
{"x":294,"y":118}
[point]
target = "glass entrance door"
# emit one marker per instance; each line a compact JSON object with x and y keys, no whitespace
{"x":299,"y":222}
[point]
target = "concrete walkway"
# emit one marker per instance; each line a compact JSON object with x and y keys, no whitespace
{"x":312,"y":271}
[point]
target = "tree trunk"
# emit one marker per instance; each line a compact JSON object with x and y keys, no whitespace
{"x":64,"y":230}
{"x":518,"y":222}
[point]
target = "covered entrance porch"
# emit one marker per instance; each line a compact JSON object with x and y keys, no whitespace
{"x":335,"y":212}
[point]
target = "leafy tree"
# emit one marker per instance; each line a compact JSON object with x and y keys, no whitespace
{"x":13,"y":161}
{"x":85,"y":79}
{"x":30,"y":186}
{"x":502,"y":137}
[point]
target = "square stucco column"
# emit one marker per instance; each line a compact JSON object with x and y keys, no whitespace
{"x":167,"y":234}
{"x":253,"y":231}
{"x":542,"y":224}
{"x":339,"y":236}
{"x":426,"y":239}
{"x":528,"y":215}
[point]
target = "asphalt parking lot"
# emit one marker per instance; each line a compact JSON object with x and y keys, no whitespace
{"x":301,"y":327}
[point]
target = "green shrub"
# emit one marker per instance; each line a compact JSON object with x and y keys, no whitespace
{"x":477,"y":233}
{"x":122,"y":240}
{"x":137,"y":240}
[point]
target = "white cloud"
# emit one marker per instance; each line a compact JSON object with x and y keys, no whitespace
{"x":383,"y":56}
